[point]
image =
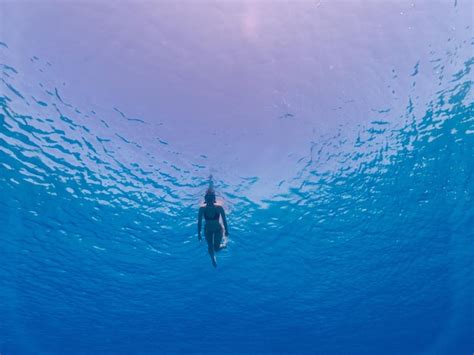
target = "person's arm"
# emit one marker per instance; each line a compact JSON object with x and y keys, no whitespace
{"x":224,"y":220}
{"x":200,"y":223}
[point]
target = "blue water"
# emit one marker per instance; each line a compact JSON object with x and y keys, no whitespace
{"x":367,"y":249}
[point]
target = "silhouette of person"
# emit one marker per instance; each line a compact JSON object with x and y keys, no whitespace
{"x":213,"y":228}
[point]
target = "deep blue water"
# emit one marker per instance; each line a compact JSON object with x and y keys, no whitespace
{"x":367,"y":250}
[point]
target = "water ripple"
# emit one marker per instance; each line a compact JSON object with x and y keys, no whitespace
{"x":86,"y":222}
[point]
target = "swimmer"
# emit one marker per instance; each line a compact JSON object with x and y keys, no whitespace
{"x":213,"y":228}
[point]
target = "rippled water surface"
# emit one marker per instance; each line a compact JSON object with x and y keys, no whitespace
{"x":346,"y":171}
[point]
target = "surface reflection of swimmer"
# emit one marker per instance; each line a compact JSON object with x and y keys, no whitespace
{"x":213,"y":228}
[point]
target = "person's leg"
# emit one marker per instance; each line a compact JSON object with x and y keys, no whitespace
{"x":218,"y":240}
{"x":210,"y":247}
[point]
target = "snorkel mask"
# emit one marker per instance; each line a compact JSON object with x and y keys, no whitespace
{"x":210,"y":197}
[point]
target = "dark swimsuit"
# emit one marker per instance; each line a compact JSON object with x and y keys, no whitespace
{"x":215,"y":218}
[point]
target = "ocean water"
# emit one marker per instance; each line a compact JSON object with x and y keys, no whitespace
{"x":362,"y":244}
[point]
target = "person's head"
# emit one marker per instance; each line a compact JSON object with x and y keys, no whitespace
{"x":210,"y":197}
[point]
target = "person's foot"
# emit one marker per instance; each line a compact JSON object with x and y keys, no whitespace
{"x":214,"y":261}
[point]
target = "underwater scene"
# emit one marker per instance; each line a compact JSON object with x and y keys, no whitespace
{"x":238,"y":177}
